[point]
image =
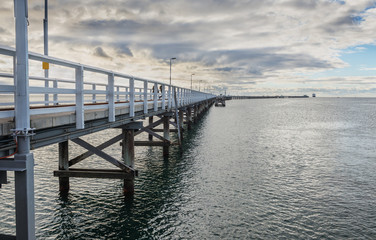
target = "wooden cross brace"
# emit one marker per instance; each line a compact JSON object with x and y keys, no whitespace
{"x":103,"y":155}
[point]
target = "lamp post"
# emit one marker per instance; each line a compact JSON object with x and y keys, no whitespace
{"x":170,"y":68}
{"x":191,"y":79}
{"x":199,"y":85}
{"x":45,"y":40}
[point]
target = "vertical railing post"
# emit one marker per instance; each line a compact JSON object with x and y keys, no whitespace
{"x":182,"y":97}
{"x":55,"y":94}
{"x":155,"y":96}
{"x":111,"y":97}
{"x":80,"y":121}
{"x":145,"y":97}
{"x":131,"y":97}
{"x":169,"y":98}
{"x":46,"y":85}
{"x":24,"y":180}
{"x":126,"y":95}
{"x":163,"y":97}
{"x":117,"y":94}
{"x":178,"y":97}
{"x":174,"y":97}
{"x":94,"y":95}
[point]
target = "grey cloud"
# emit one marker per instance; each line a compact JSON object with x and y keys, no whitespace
{"x":305,"y":5}
{"x":123,"y":49}
{"x":264,"y":58}
{"x":231,"y":40}
{"x":99,"y":52}
{"x":226,"y":69}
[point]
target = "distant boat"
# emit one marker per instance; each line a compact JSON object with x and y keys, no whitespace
{"x":313,"y":94}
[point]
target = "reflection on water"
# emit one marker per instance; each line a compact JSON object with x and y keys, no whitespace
{"x":256,"y":169}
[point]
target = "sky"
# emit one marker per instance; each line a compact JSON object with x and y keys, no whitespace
{"x":243,"y":47}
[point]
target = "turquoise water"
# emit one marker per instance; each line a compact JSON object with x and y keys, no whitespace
{"x":255,"y":169}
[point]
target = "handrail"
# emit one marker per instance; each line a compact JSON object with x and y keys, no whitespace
{"x":112,"y":87}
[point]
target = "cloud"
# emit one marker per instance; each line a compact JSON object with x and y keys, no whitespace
{"x":368,"y":69}
{"x":223,"y":41}
{"x":99,"y":52}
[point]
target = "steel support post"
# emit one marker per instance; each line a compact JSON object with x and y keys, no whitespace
{"x":166,"y":134}
{"x":24,"y":180}
{"x":150,"y":122}
{"x":128,"y":156}
{"x":63,"y":165}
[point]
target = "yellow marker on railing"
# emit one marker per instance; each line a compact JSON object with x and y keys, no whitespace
{"x":46,"y":65}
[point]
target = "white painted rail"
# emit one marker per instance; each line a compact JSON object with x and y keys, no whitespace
{"x":80,"y":93}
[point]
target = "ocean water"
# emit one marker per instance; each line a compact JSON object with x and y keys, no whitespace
{"x":255,"y":169}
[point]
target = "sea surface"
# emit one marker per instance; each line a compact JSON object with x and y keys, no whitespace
{"x":255,"y":169}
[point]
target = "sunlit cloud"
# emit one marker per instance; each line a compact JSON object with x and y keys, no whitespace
{"x":242,"y":45}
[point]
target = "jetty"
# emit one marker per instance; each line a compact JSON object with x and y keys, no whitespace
{"x":265,"y":97}
{"x":39,"y":111}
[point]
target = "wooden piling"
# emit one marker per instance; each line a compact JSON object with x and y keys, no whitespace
{"x":63,"y":165}
{"x":195,"y":113}
{"x":189,"y":118}
{"x":166,"y":134}
{"x":150,"y":122}
{"x":181,"y":122}
{"x":128,"y":156}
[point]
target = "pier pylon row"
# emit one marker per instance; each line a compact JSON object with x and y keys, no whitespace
{"x":173,"y":121}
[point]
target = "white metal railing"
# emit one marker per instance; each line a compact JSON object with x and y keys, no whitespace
{"x":113,"y":90}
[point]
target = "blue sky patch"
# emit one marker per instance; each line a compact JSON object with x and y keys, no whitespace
{"x":361,"y":61}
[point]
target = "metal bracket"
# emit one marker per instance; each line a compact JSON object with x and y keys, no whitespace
{"x":26,"y":132}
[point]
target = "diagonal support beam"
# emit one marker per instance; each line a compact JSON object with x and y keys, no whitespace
{"x":173,"y":124}
{"x":102,"y":154}
{"x":153,"y":125}
{"x":157,"y":135}
{"x":100,"y":147}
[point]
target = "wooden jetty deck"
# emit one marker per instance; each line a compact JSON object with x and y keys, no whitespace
{"x":37,"y":111}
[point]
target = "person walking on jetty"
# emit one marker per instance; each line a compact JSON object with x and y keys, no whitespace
{"x":158,"y":90}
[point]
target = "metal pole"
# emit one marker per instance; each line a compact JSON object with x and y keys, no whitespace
{"x":24,"y":180}
{"x":45,"y":28}
{"x":170,"y":68}
{"x":45,"y":32}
